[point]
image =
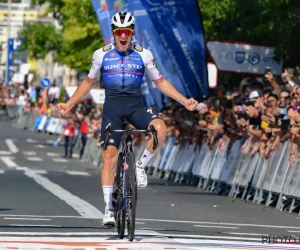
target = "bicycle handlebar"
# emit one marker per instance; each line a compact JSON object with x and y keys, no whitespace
{"x":130,"y":131}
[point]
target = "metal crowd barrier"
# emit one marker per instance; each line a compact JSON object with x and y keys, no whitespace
{"x":269,"y":182}
{"x":31,"y":121}
{"x":12,"y":112}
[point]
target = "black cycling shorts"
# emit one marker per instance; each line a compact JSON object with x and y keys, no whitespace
{"x":132,"y":109}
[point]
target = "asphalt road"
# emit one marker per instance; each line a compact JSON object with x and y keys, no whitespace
{"x":46,"y":198}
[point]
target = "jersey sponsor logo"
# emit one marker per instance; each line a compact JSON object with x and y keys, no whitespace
{"x":112,"y":59}
{"x":107,"y":48}
{"x":135,"y":58}
{"x":123,"y":66}
{"x":112,"y":54}
{"x":123,"y":75}
{"x":138,"y":48}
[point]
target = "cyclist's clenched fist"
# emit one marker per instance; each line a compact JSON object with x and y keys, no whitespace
{"x":63,"y":108}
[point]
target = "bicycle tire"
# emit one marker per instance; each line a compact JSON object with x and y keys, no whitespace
{"x":120,"y":215}
{"x":132,"y":193}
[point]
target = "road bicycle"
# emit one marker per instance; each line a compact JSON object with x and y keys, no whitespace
{"x":125,"y":193}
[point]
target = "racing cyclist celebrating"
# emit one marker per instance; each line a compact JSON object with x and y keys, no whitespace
{"x":121,"y":66}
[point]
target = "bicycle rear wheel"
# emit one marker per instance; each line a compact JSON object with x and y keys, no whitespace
{"x":120,"y":214}
{"x":131,"y":188}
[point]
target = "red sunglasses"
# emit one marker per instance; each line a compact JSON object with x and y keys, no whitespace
{"x":127,"y":32}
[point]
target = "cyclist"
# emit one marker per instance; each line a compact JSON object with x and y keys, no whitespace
{"x":121,"y":66}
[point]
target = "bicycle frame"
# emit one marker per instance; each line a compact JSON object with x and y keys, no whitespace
{"x":126,"y":168}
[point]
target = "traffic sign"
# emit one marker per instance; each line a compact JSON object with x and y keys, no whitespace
{"x":45,"y":82}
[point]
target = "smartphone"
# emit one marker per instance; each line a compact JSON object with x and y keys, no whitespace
{"x":285,"y":124}
{"x":283,"y":111}
{"x":267,"y":70}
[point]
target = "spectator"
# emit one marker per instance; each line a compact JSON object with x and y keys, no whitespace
{"x":69,"y":129}
{"x":84,"y":130}
{"x":53,"y":94}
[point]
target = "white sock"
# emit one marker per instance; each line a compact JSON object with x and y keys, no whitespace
{"x":146,"y":157}
{"x":107,"y":192}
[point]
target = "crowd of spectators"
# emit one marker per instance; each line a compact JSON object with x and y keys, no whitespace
{"x":262,"y":112}
{"x":83,"y":121}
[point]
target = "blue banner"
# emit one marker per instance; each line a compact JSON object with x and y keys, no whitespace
{"x":150,"y":40}
{"x":179,"y":27}
{"x":103,"y":16}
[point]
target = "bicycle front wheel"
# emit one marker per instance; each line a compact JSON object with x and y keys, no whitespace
{"x":120,"y":213}
{"x":131,"y":189}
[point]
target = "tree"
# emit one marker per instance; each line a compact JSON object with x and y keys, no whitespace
{"x":40,"y":39}
{"x":263,"y":22}
{"x":75,"y":43}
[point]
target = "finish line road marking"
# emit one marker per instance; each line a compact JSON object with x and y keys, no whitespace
{"x":104,"y":243}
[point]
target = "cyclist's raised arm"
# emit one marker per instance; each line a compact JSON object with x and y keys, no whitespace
{"x":87,"y":84}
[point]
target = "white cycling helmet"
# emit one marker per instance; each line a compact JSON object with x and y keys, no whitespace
{"x":123,"y":20}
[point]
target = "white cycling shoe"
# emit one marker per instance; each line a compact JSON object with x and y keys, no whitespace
{"x":141,"y":177}
{"x":109,"y":218}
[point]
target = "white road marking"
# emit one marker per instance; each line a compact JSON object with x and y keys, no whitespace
{"x":20,"y":218}
{"x":106,"y":233}
{"x":82,"y":207}
{"x":51,"y":154}
{"x":5,"y":153}
{"x":38,"y":171}
{"x":11,"y":146}
{"x":1,"y":171}
{"x":40,"y":146}
{"x":41,"y":216}
{"x":50,"y":141}
{"x":8,"y":161}
{"x":29,"y":153}
{"x":77,"y":173}
{"x":22,"y":168}
{"x":25,"y":225}
{"x":219,"y":223}
{"x":249,"y":234}
{"x":30,"y":140}
{"x":75,"y":155}
{"x":34,"y":158}
{"x":60,"y":160}
{"x":216,"y":226}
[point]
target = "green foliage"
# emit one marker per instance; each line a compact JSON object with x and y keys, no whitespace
{"x":75,"y":43}
{"x":40,"y":39}
{"x":263,"y":22}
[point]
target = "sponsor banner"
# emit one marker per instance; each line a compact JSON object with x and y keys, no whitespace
{"x":179,"y":27}
{"x":149,"y":39}
{"x":98,"y":95}
{"x":103,"y":16}
{"x":243,"y":58}
{"x":70,"y":90}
